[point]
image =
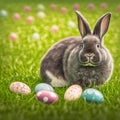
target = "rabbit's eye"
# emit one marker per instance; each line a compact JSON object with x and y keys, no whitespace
{"x":98,"y":45}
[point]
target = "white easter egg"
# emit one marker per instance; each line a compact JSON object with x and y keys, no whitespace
{"x":35,"y":36}
{"x":20,"y":88}
{"x":73,"y":93}
{"x":71,"y":24}
{"x":41,"y":7}
{"x":41,"y":15}
{"x":3,"y":13}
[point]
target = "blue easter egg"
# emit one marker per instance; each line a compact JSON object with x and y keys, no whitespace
{"x":3,"y":13}
{"x":92,"y":95}
{"x":43,"y":86}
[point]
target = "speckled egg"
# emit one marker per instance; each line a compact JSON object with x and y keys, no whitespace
{"x":47,"y":97}
{"x":43,"y":86}
{"x":92,"y":95}
{"x":20,"y":88}
{"x":73,"y":93}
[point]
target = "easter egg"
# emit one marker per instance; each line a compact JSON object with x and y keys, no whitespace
{"x":76,"y":7}
{"x":20,"y":88}
{"x":73,"y":93}
{"x":27,"y":9}
{"x":43,"y":86}
{"x":41,"y":7}
{"x":71,"y":24}
{"x":53,"y":7}
{"x":118,"y":8}
{"x":16,"y":16}
{"x":91,"y":6}
{"x":13,"y":36}
{"x":35,"y":36}
{"x":30,"y":19}
{"x":63,"y":10}
{"x":47,"y":97}
{"x":54,"y":29}
{"x":41,"y":15}
{"x":3,"y":13}
{"x":103,"y":6}
{"x":92,"y":95}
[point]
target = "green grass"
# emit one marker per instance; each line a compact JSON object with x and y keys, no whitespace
{"x":20,"y":61}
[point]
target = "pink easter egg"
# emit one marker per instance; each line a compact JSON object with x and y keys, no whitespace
{"x":54,"y":29}
{"x":30,"y":19}
{"x":91,"y":6}
{"x":13,"y":36}
{"x":47,"y":97}
{"x":118,"y":8}
{"x":20,"y":88}
{"x":16,"y":16}
{"x":63,"y":10}
{"x":103,"y":6}
{"x":27,"y":9}
{"x":53,"y":7}
{"x":76,"y":7}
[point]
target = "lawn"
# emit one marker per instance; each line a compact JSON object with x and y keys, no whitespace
{"x":20,"y":60}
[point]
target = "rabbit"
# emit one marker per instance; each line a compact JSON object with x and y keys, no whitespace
{"x":79,"y":60}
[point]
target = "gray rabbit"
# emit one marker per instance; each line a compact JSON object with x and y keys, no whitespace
{"x":79,"y":60}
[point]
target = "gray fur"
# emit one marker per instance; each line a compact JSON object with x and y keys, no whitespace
{"x":85,"y":61}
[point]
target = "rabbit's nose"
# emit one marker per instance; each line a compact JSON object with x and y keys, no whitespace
{"x":89,"y":55}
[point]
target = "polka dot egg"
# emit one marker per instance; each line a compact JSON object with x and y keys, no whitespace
{"x":43,"y":86}
{"x":92,"y":95}
{"x":20,"y":88}
{"x":73,"y":93}
{"x":47,"y":97}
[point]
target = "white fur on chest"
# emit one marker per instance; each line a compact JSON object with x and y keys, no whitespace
{"x":56,"y":81}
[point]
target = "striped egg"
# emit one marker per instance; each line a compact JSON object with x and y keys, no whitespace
{"x":43,"y":86}
{"x":47,"y":97}
{"x":20,"y":88}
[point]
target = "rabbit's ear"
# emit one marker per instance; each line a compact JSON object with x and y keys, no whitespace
{"x":83,"y":25}
{"x":102,"y":25}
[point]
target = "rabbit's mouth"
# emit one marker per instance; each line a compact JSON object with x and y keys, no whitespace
{"x":89,"y":64}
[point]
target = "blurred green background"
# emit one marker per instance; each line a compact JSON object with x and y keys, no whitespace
{"x":20,"y":59}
